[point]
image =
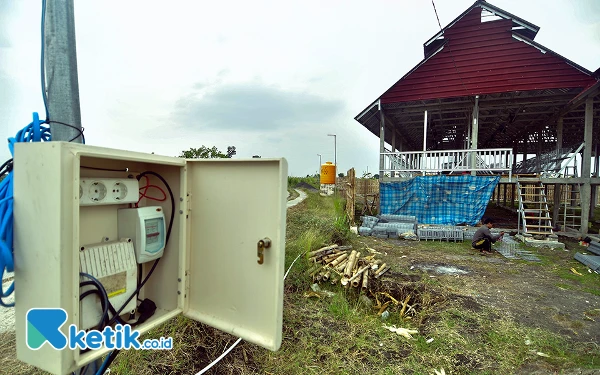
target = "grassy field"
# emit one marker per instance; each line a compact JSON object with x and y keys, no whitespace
{"x":343,"y":334}
{"x":464,"y":324}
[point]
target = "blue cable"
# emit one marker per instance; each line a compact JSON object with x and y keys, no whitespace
{"x":42,"y":66}
{"x":34,"y":132}
{"x":102,"y":369}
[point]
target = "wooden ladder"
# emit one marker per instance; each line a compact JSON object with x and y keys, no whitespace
{"x":533,"y":209}
{"x":571,"y":206}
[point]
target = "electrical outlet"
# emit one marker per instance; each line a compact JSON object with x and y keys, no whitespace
{"x":101,"y":191}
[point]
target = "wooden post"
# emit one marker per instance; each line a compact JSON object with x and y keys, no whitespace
{"x":400,"y":143}
{"x":381,"y":141}
{"x":505,"y":186}
{"x":474,"y":136}
{"x":586,"y":164}
{"x":512,"y":196}
{"x":557,"y":188}
{"x":538,"y":151}
{"x":525,"y":147}
{"x":515,"y":154}
{"x":594,"y":195}
{"x":424,"y":157}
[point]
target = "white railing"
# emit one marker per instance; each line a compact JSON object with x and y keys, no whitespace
{"x":482,"y":161}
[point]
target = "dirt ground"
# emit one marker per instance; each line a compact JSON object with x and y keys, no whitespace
{"x":535,"y":294}
{"x":527,"y":293}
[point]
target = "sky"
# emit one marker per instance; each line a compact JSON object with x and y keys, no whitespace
{"x":271,"y":78}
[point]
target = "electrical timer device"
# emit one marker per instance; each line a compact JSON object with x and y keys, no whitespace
{"x":146,"y":227}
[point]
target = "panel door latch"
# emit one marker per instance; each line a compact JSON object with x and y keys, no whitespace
{"x":263,"y":244}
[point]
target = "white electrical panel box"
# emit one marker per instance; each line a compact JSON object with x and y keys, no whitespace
{"x":99,"y":191}
{"x":113,"y":264}
{"x":146,"y":225}
{"x":213,"y":268}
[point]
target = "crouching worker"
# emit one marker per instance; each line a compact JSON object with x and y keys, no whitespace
{"x":483,"y":238}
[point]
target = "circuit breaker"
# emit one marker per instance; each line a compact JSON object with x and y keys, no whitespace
{"x":201,"y":241}
{"x":146,"y":225}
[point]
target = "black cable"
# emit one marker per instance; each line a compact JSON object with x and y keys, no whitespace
{"x":6,"y":167}
{"x":110,"y":308}
{"x":103,"y":319}
{"x":100,"y":288}
{"x":106,"y":169}
{"x":137,"y":291}
{"x":80,"y":130}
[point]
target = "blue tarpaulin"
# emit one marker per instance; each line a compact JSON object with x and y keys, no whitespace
{"x":442,"y":199}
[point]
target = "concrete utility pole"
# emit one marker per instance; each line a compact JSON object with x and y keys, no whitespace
{"x":60,"y":62}
{"x":61,"y":71}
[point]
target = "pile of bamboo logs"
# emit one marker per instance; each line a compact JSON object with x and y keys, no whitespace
{"x":342,"y":264}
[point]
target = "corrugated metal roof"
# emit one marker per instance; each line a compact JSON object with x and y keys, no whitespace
{"x":483,"y":58}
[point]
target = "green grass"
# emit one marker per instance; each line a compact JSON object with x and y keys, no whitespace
{"x":343,"y":335}
{"x":314,"y":181}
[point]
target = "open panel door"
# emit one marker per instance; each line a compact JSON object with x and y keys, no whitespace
{"x":233,"y":205}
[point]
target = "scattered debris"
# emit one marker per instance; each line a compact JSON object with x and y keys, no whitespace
{"x":575,"y":271}
{"x":441,"y":372}
{"x":409,"y":236}
{"x":402,"y":331}
{"x":429,"y":341}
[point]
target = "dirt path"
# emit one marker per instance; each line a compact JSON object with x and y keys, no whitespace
{"x":300,"y":198}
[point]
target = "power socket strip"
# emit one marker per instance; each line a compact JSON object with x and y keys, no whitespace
{"x":101,"y":191}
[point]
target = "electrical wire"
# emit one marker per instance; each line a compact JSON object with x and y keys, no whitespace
{"x":136,"y":292}
{"x":219,"y":358}
{"x":80,"y":130}
{"x":113,"y":355}
{"x":34,"y":132}
{"x":148,"y":186}
{"x":107,"y":362}
{"x":42,"y":63}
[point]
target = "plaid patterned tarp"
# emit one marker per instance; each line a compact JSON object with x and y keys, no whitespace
{"x":448,"y":200}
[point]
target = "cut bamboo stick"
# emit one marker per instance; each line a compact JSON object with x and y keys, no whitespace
{"x":312,"y":269}
{"x":321,"y":256}
{"x":350,"y":264}
{"x":380,"y":269}
{"x":331,"y":257}
{"x":339,"y":260}
{"x":344,"y":281}
{"x":357,"y":281}
{"x":342,"y":266}
{"x":326,"y":275}
{"x":321,"y":250}
{"x":359,"y":272}
{"x":383,"y":270}
{"x":365,"y":280}
{"x":316,"y":270}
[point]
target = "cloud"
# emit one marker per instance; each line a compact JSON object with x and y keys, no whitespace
{"x":5,"y":16}
{"x":253,"y":107}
